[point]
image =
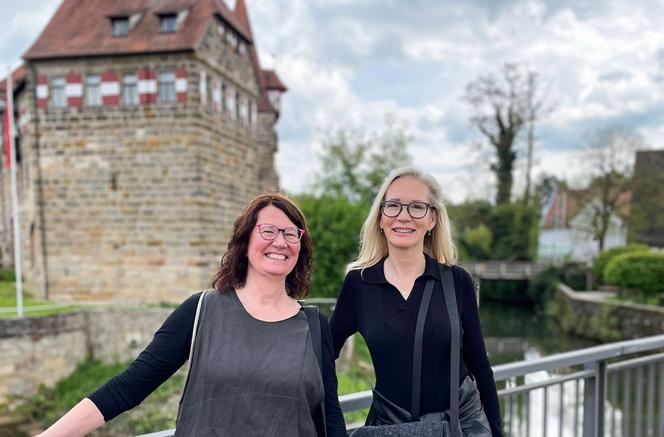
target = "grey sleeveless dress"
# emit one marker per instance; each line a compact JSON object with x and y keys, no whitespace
{"x":248,"y":377}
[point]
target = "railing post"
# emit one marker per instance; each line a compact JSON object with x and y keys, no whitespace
{"x":593,"y":401}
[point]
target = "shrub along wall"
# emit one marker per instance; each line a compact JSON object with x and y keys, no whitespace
{"x":601,"y":261}
{"x":637,"y":272}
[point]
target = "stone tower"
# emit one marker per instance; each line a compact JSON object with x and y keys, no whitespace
{"x":144,"y":127}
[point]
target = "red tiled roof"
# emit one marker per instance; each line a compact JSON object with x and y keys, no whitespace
{"x":83,"y":28}
{"x":18,"y":75}
{"x":574,"y":201}
{"x":272,"y":82}
{"x":241,"y":16}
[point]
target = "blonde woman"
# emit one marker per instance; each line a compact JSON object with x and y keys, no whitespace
{"x":406,"y":244}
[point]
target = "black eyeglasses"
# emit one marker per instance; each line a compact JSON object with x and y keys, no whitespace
{"x":417,"y":210}
{"x":270,"y":232}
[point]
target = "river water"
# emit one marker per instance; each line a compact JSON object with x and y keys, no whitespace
{"x":515,"y":333}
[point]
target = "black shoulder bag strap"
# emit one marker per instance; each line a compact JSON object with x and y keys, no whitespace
{"x":417,"y":350}
{"x":455,"y":346}
{"x":316,"y":339}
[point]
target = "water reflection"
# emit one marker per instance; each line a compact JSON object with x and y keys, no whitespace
{"x":515,"y":333}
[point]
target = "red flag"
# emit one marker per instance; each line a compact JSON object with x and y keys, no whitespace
{"x":7,"y":130}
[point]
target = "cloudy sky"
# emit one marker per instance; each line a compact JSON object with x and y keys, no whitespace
{"x":349,"y":63}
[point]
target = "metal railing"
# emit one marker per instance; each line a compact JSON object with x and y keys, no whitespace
{"x":612,"y":390}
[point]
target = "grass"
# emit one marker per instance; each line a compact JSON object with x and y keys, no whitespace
{"x":360,"y":377}
{"x":156,"y":413}
{"x":8,"y":298}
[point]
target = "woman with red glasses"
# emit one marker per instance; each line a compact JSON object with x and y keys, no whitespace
{"x":259,"y":364}
{"x":396,"y":295}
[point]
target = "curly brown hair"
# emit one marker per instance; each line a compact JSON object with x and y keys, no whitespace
{"x":233,"y":268}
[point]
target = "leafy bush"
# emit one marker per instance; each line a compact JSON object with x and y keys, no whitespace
{"x":514,"y":228}
{"x":51,"y":403}
{"x":637,"y":271}
{"x":573,"y":275}
{"x":602,"y":260}
{"x":334,"y":224}
{"x":542,"y":287}
{"x":515,"y":292}
{"x":474,"y":243}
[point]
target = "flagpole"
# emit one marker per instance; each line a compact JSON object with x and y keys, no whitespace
{"x":12,"y":170}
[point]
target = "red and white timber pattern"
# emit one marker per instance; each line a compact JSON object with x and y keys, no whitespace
{"x":74,"y":89}
{"x":181,"y":85}
{"x":110,"y":88}
{"x":24,"y":119}
{"x":42,"y":91}
{"x":147,"y":86}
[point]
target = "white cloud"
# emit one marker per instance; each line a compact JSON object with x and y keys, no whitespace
{"x":347,"y":63}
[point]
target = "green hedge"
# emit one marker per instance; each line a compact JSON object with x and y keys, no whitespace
{"x":603,"y":259}
{"x":637,"y":271}
{"x":7,"y":275}
{"x":334,"y":224}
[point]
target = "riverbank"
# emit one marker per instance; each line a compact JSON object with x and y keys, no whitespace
{"x":602,"y":317}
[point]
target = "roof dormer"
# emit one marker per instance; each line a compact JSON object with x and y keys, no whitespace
{"x":122,"y":23}
{"x":170,"y":21}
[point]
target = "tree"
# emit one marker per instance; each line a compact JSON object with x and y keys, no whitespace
{"x":501,"y":107}
{"x":354,"y":164}
{"x":610,"y":159}
{"x":334,"y":224}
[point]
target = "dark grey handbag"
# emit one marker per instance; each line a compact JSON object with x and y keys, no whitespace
{"x":389,"y":420}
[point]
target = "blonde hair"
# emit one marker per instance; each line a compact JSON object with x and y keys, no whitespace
{"x":373,"y":245}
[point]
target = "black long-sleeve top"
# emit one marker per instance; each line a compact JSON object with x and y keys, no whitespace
{"x":169,"y":350}
{"x":369,"y":304}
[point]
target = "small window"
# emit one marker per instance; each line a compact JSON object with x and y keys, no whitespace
{"x":224,"y":92}
{"x":168,"y":23}
{"x":237,"y":105}
{"x":93,"y":90}
{"x":244,"y":110}
{"x":120,"y":26}
{"x":250,"y":111}
{"x":167,"y":86}
{"x":130,"y":90}
{"x":230,"y":102}
{"x":242,"y":48}
{"x":231,"y":39}
{"x":58,"y":92}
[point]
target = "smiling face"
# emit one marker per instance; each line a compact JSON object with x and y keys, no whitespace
{"x":403,"y":231}
{"x":273,"y":258}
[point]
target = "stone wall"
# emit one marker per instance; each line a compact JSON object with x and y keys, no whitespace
{"x":44,"y":350}
{"x":586,"y":315}
{"x":39,"y":350}
{"x":117,"y":335}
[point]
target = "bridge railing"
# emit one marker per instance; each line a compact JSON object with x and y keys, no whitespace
{"x":612,"y":390}
{"x":517,"y":270}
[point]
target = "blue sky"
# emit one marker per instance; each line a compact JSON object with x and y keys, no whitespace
{"x":348,"y":63}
